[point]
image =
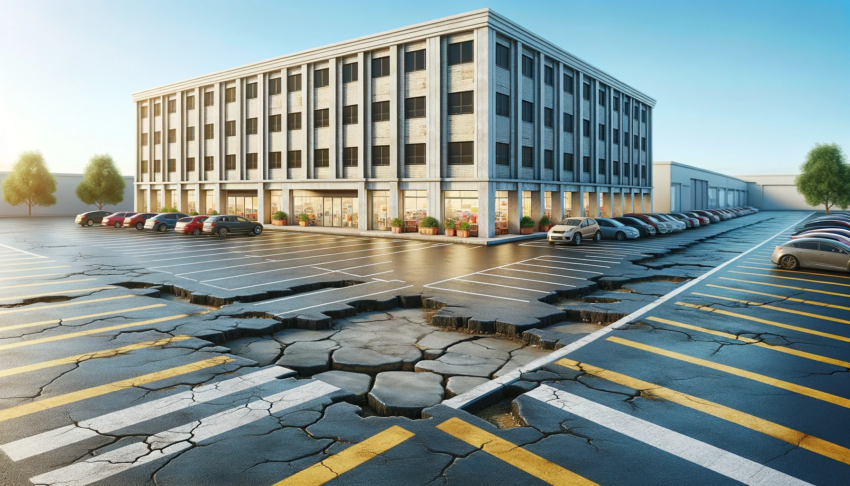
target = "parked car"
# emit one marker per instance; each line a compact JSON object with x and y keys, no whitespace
{"x":226,"y":224}
{"x":677,"y":225}
{"x":812,"y":253}
{"x":713,"y":217}
{"x":91,"y":218}
{"x":193,"y":225}
{"x":574,"y":230}
{"x":164,"y":221}
{"x":823,"y":235}
{"x":616,"y":230}
{"x":723,"y":216}
{"x":661,"y":227}
{"x":115,"y":219}
{"x":827,"y":223}
{"x":137,"y":220}
{"x":703,"y":220}
{"x":691,"y":221}
{"x":645,"y":229}
{"x":838,"y":231}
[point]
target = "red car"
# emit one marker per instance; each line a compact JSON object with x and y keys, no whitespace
{"x":193,"y":225}
{"x":115,"y":219}
{"x":137,"y":220}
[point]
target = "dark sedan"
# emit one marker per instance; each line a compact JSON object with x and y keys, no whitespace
{"x":91,"y":218}
{"x":227,"y":224}
{"x":643,"y":228}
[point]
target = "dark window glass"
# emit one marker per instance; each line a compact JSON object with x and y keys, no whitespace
{"x":548,"y":159}
{"x":251,"y":126}
{"x":293,"y":83}
{"x":144,"y":139}
{"x":601,"y":132}
{"x":172,"y":135}
{"x":806,"y":245}
{"x":615,"y":169}
{"x":381,"y":111}
{"x":190,"y":102}
{"x":209,"y":131}
{"x":568,"y":84}
{"x":381,"y":155}
{"x":636,"y":142}
{"x":157,"y":110}
{"x":548,"y":117}
{"x":209,"y":99}
{"x":144,"y":112}
{"x":414,"y":107}
{"x":190,"y":164}
{"x":643,"y":116}
{"x":144,"y":166}
{"x":321,"y":78}
{"x":460,"y":103}
{"x":229,"y":162}
{"x":503,"y":105}
{"x":637,"y":112}
{"x":157,"y":166}
{"x":274,"y":123}
{"x":321,"y":158}
{"x":503,"y":56}
{"x":157,"y":138}
{"x":586,"y":91}
{"x":602,"y":97}
{"x":585,"y":164}
{"x":275,"y":160}
{"x":380,"y":67}
{"x":251,"y":91}
{"x":251,"y":161}
{"x":568,"y":162}
{"x":414,"y":61}
{"x":626,"y":108}
{"x":460,"y":53}
{"x":616,"y":136}
{"x":602,"y":166}
{"x":527,"y":67}
{"x":293,"y":159}
{"x":626,"y":168}
{"x":274,"y":86}
{"x":230,"y":95}
{"x":548,"y":75}
{"x":585,"y":126}
{"x":293,"y":121}
{"x":461,"y":153}
{"x":626,"y":139}
{"x":528,"y":112}
{"x":568,"y":123}
{"x":172,"y":106}
{"x":209,"y":163}
{"x":643,"y":172}
{"x":230,"y":128}
{"x":643,"y":144}
{"x":503,"y":153}
{"x":349,"y":157}
{"x":321,"y":118}
{"x":349,"y":72}
{"x":637,"y":169}
{"x":616,"y":103}
{"x":171,"y":165}
{"x":349,"y":115}
{"x":414,"y":154}
{"x":527,"y":157}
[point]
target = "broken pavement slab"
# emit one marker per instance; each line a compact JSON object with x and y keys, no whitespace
{"x":405,"y":393}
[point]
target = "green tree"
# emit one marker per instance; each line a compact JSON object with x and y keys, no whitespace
{"x":825,"y":177}
{"x":102,"y":184}
{"x":30,"y":182}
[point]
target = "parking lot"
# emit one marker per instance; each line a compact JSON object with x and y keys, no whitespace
{"x":129,"y":357}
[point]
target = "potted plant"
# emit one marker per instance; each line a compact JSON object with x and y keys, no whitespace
{"x":213,"y":213}
{"x":428,"y":226}
{"x":451,"y":226}
{"x":193,"y":213}
{"x":463,"y":229}
{"x":544,"y":224}
{"x":526,"y":225}
{"x":303,"y":219}
{"x":279,"y":218}
{"x":397,"y":224}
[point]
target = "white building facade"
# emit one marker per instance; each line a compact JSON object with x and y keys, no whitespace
{"x":470,"y":117}
{"x":680,"y":187}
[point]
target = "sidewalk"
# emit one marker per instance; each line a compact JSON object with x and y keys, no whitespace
{"x":498,"y":240}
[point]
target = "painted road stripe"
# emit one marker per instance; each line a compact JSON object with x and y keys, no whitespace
{"x":348,"y":459}
{"x":76,"y":302}
{"x":553,"y":267}
{"x":48,"y":283}
{"x":298,"y":296}
{"x":499,"y":285}
{"x":789,"y":299}
{"x":73,"y":397}
{"x":795,"y":271}
{"x":548,"y":259}
{"x":781,"y":349}
{"x":765,"y":321}
{"x":31,"y":269}
{"x":513,"y":454}
{"x":76,"y":291}
{"x":350,"y":299}
{"x":474,"y":293}
{"x":31,"y":276}
{"x":175,"y":440}
{"x":108,"y":353}
{"x":580,"y":259}
{"x":70,"y":319}
{"x":785,"y":287}
{"x":26,"y":263}
{"x":774,"y":308}
{"x":556,"y":284}
{"x":110,"y":422}
{"x":785,"y":385}
{"x":786,"y":434}
{"x":90,"y":332}
{"x":681,"y":446}
{"x":791,"y":278}
{"x":21,"y":251}
{"x":542,"y":273}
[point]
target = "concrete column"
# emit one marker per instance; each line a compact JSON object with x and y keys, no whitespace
{"x":362,"y":207}
{"x":557,"y":205}
{"x":618,"y":204}
{"x":516,"y":116}
{"x":577,"y":203}
{"x":514,"y":210}
{"x":306,"y":123}
{"x":485,"y":98}
{"x":537,"y":204}
{"x":262,"y":202}
{"x":486,"y":210}
{"x":607,"y":204}
{"x":641,"y":201}
{"x":395,"y":206}
{"x":593,"y":204}
{"x":433,"y":113}
{"x":361,"y":113}
{"x":262,"y":132}
{"x":395,"y":119}
{"x":334,"y":84}
{"x":286,"y":204}
{"x":147,"y":196}
{"x":647,"y":200}
{"x":435,"y":201}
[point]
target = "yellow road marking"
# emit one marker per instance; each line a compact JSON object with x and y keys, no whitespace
{"x":88,"y":332}
{"x":512,"y":454}
{"x":24,"y":263}
{"x":97,"y":391}
{"x":778,"y":309}
{"x":77,"y":318}
{"x":790,"y":278}
{"x":29,"y":269}
{"x":348,"y":459}
{"x":795,"y":271}
{"x":786,"y":287}
{"x":31,"y":296}
{"x":76,"y":302}
{"x":785,"y":385}
{"x":107,"y":353}
{"x":781,"y":349}
{"x":31,"y":276}
{"x":789,"y":299}
{"x":48,"y":283}
{"x":765,"y":321}
{"x":650,"y":390}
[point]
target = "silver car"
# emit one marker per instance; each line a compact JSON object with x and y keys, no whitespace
{"x":574,"y":230}
{"x":616,"y":230}
{"x":812,"y":253}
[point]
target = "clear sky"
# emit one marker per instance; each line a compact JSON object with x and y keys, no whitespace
{"x":743,"y":87}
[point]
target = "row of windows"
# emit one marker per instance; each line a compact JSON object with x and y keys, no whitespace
{"x":503,"y":158}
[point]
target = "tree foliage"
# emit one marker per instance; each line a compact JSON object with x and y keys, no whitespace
{"x":30,"y":182}
{"x":102,"y":184}
{"x":825,"y":177}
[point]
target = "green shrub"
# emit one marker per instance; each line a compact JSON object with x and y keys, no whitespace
{"x":545,"y":221}
{"x":526,"y":222}
{"x":193,"y":213}
{"x":397,"y":223}
{"x":279,"y":215}
{"x":429,"y":222}
{"x":450,"y":223}
{"x":464,"y":226}
{"x":303,"y":217}
{"x":213,"y":213}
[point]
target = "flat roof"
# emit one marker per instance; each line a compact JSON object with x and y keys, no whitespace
{"x":686,"y":166}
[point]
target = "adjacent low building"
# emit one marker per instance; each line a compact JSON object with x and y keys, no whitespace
{"x":776,"y":191}
{"x":680,"y":187}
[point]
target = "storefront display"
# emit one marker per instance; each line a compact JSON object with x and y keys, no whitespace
{"x":190,"y":202}
{"x":547,"y":204}
{"x":380,"y":210}
{"x":462,"y":206}
{"x":245,"y":206}
{"x":415,"y":208}
{"x":210,"y":202}
{"x":526,"y":204}
{"x":326,"y":211}
{"x":501,"y":212}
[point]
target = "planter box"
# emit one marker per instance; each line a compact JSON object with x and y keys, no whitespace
{"x":450,"y":232}
{"x":427,"y":231}
{"x":526,"y":231}
{"x":463,"y":234}
{"x":397,"y":230}
{"x":544,"y":228}
{"x":279,"y":222}
{"x":302,"y":223}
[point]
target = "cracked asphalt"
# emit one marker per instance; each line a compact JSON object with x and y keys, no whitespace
{"x":133,"y":357}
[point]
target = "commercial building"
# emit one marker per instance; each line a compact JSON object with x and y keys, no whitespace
{"x":680,"y":187}
{"x":67,"y":203}
{"x":776,"y":191}
{"x":470,"y":117}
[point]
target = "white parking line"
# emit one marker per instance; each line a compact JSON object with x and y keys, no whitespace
{"x":559,"y":268}
{"x":206,"y":252}
{"x":344,"y":300}
{"x":500,"y":285}
{"x":473,"y":293}
{"x":544,"y":273}
{"x":545,"y":258}
{"x":269,"y":283}
{"x":582,"y":259}
{"x":301,"y":296}
{"x":556,"y":284}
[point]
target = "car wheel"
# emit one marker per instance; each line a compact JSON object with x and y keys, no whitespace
{"x":162,"y":228}
{"x":577,"y":239}
{"x":597,"y":236}
{"x":140,"y":226}
{"x":621,"y":236}
{"x":789,"y":262}
{"x":89,"y":223}
{"x":117,"y":225}
{"x":257,"y":230}
{"x":196,"y":231}
{"x":222,"y":232}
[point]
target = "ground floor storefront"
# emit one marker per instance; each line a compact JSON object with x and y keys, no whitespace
{"x":489,"y":208}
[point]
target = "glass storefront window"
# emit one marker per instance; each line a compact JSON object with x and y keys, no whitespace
{"x":245,"y":206}
{"x":190,"y":200}
{"x":568,"y":204}
{"x":380,"y":210}
{"x":157,"y":201}
{"x":415,"y":208}
{"x":721,"y":198}
{"x":547,"y":204}
{"x":526,"y":203}
{"x":210,"y":206}
{"x":349,"y":212}
{"x":276,"y":201}
{"x":174,"y":200}
{"x":462,"y":206}
{"x":326,"y":211}
{"x":502,"y":212}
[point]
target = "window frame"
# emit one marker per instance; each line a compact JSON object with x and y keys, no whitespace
{"x":251,"y":161}
{"x":601,"y":95}
{"x":230,"y":128}
{"x":321,"y":78}
{"x":528,"y":66}
{"x":548,"y":159}
{"x":602,"y":167}
{"x":229,"y":95}
{"x":172,"y":106}
{"x":350,"y":115}
{"x":460,"y":53}
{"x":585,"y":164}
{"x":209,"y":131}
{"x":171,"y":166}
{"x":322,"y":118}
{"x":251,"y":90}
{"x":230,"y":162}
{"x":350,"y":72}
{"x":190,"y":134}
{"x":209,"y":163}
{"x":321,"y":158}
{"x":548,"y":117}
{"x":527,"y":157}
{"x":382,"y":109}
{"x":291,"y":119}
{"x":569,"y":83}
{"x":347,"y":156}
{"x":548,"y":75}
{"x":414,"y":61}
{"x":414,"y":107}
{"x":600,"y":134}
{"x":415,"y":154}
{"x":585,"y":90}
{"x":503,"y":51}
{"x":275,"y":123}
{"x":503,"y":105}
{"x":275,"y":160}
{"x":275,"y":86}
{"x":172,"y":135}
{"x":380,"y":67}
{"x":527,"y":112}
{"x":293,"y":159}
{"x":380,"y":155}
{"x":585,"y":128}
{"x":190,"y":164}
{"x":209,"y":98}
{"x":251,"y":126}
{"x":466,"y":155}
{"x":460,"y":103}
{"x":506,"y":157}
{"x":569,"y":123}
{"x":293,"y":83}
{"x":568,"y":162}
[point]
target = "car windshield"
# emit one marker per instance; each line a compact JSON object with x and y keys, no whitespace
{"x":184,"y":220}
{"x":652,"y":219}
{"x":570,"y":222}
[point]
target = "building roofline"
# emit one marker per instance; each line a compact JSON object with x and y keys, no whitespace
{"x":456,"y":23}
{"x":671,"y":162}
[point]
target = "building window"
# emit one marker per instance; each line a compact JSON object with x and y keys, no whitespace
{"x":349,"y":115}
{"x":626,"y":108}
{"x":274,"y":86}
{"x":229,"y":162}
{"x":528,"y":112}
{"x":636,"y":169}
{"x":209,"y":131}
{"x":602,"y":166}
{"x":585,"y":164}
{"x":585,"y":127}
{"x":349,"y":72}
{"x":230,"y":128}
{"x":230,"y":95}
{"x":549,"y":75}
{"x":414,"y":61}
{"x":601,"y":97}
{"x":414,"y":154}
{"x":157,"y":138}
{"x":274,"y":123}
{"x":643,"y":116}
{"x":503,"y":153}
{"x":144,"y":112}
{"x":274,"y":160}
{"x":460,"y":53}
{"x":380,"y":67}
{"x":616,"y":103}
{"x":616,"y":136}
{"x":643,"y":144}
{"x":157,"y":110}
{"x":250,"y":161}
{"x":460,"y":103}
{"x":144,"y":167}
{"x":251,"y":126}
{"x":626,"y":139}
{"x":251,"y":91}
{"x":293,"y":159}
{"x":381,"y":155}
{"x":144,"y":139}
{"x":349,"y":157}
{"x":293,"y":121}
{"x":637,"y":112}
{"x":172,"y":106}
{"x":586,"y":91}
{"x":568,"y":123}
{"x":527,"y":67}
{"x":321,"y":158}
{"x":548,"y":117}
{"x":643,"y":172}
{"x":601,"y":132}
{"x":503,"y":56}
{"x":568,"y":162}
{"x":548,"y":159}
{"x":636,"y":142}
{"x":209,"y":163}
{"x":321,"y":118}
{"x":414,"y":107}
{"x":626,"y":169}
{"x":615,"y":169}
{"x":293,"y":83}
{"x":381,"y":111}
{"x":157,"y":166}
{"x":190,"y":134}
{"x":172,"y":135}
{"x":568,"y":84}
{"x":461,"y":153}
{"x":503,"y":105}
{"x":321,"y":78}
{"x":190,"y":164}
{"x":527,"y":157}
{"x":209,"y":98}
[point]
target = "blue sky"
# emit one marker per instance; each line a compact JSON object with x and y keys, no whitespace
{"x":743,"y":87}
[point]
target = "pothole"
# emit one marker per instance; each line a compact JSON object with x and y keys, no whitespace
{"x":40,"y":300}
{"x":500,"y":414}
